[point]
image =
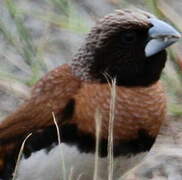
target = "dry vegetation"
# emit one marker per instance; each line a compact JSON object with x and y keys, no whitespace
{"x":37,"y":36}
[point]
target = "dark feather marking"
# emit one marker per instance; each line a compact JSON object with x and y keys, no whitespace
{"x":86,"y":142}
{"x":68,"y":111}
{"x":41,"y":139}
{"x":10,"y":162}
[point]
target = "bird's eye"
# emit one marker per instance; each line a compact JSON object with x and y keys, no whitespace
{"x":129,"y":37}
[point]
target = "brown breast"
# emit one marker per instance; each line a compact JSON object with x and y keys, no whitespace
{"x":135,"y":109}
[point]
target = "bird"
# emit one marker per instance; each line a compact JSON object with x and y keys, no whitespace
{"x":127,"y":46}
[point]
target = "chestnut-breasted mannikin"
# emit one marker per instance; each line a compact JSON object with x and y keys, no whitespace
{"x":128,"y":46}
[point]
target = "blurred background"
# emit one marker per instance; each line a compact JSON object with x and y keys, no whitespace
{"x":38,"y":35}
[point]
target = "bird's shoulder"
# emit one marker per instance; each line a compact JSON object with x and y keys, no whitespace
{"x":60,"y":80}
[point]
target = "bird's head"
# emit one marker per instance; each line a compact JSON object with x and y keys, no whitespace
{"x":126,"y":45}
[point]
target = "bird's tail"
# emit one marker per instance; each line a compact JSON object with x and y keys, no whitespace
{"x":8,"y":157}
{"x":12,"y":133}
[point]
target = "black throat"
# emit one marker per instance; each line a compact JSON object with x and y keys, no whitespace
{"x":131,"y":74}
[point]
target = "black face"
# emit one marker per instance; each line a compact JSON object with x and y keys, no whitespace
{"x":123,"y":56}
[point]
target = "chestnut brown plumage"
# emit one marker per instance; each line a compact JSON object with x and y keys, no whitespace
{"x":116,"y":46}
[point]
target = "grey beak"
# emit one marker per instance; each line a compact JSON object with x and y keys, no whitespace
{"x":161,"y":36}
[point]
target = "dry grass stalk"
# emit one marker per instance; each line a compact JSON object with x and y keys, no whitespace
{"x":111,"y":126}
{"x":19,"y":157}
{"x":71,"y":174}
{"x":98,"y":122}
{"x":59,"y":143}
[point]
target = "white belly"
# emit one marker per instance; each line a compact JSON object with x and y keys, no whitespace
{"x":48,"y":166}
